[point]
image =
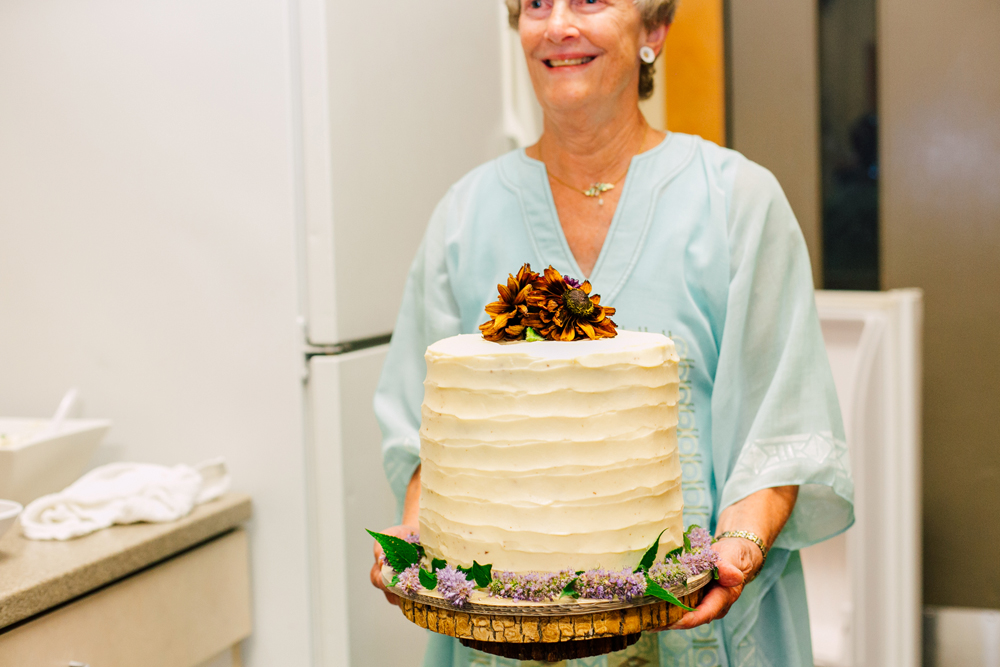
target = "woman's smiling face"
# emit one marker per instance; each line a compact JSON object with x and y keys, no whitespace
{"x":581,"y":52}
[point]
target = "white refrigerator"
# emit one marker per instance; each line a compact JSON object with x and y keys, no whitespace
{"x":389,"y":122}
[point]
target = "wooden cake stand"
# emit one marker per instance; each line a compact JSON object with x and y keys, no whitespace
{"x":548,"y":632}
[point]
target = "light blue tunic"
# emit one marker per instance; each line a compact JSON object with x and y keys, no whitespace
{"x":705,"y":248}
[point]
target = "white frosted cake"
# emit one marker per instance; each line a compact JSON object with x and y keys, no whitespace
{"x":546,"y":456}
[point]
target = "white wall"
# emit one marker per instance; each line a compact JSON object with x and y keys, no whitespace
{"x":148,"y":252}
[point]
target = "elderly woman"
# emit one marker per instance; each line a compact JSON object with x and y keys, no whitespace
{"x":683,"y":237}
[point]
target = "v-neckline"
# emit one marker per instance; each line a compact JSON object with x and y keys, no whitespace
{"x":604,"y":263}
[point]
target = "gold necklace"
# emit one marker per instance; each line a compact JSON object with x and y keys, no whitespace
{"x":596,"y":189}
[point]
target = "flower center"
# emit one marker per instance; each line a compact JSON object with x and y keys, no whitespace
{"x":578,"y":302}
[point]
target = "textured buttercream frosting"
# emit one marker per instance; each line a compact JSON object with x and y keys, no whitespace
{"x":548,"y":455}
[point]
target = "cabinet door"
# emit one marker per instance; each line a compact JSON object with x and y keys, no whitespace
{"x":179,"y":613}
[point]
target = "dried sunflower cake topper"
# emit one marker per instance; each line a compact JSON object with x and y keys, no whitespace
{"x":547,"y":307}
{"x":508,"y":312}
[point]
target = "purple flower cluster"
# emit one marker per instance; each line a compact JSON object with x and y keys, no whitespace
{"x":611,"y":585}
{"x":696,"y":562}
{"x":530,"y":587}
{"x":676,"y":570}
{"x":452,"y":584}
{"x":699,"y":539}
{"x":668,"y":573}
{"x":409,"y":580}
{"x":413,"y":538}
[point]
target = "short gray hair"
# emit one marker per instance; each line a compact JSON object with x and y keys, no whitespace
{"x":654,"y":14}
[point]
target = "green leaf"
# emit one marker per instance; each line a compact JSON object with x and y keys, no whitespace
{"x":715,"y":573}
{"x":687,"y":538}
{"x":395,"y":580}
{"x":428,"y":580}
{"x":650,"y":556}
{"x":438,"y":564}
{"x":531,"y":335}
{"x":400,"y":554}
{"x":482,"y":574}
{"x":654,"y":589}
{"x":570,"y":589}
{"x":675,"y":553}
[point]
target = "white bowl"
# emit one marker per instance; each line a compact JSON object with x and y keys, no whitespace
{"x":34,"y":462}
{"x":8,"y":514}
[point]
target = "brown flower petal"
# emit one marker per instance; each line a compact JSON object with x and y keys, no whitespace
{"x":512,"y":306}
{"x":587,"y":329}
{"x":496,"y":308}
{"x":607,"y":328}
{"x":526,"y":275}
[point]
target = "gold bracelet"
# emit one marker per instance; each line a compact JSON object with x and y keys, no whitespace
{"x":747,"y":535}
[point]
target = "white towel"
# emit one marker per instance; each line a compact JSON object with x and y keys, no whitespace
{"x":123,"y":493}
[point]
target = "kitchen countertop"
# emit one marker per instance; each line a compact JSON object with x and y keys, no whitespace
{"x":37,"y":576}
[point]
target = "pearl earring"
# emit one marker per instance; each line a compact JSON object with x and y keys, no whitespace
{"x":647,"y":54}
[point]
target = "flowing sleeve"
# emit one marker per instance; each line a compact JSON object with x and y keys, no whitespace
{"x":428,"y":314}
{"x":776,"y":419}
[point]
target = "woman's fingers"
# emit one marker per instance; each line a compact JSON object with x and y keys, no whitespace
{"x":376,"y":577}
{"x":376,"y":571}
{"x":737,"y":559}
{"x":734,"y":563}
{"x":715,"y":605}
{"x":377,"y":582}
{"x":730,"y":575}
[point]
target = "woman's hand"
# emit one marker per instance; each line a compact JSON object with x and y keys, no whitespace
{"x":403,"y":532}
{"x":410,"y":526}
{"x":739,"y":561}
